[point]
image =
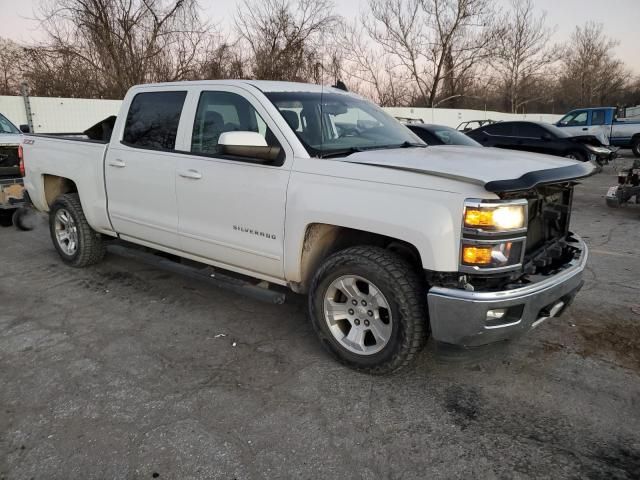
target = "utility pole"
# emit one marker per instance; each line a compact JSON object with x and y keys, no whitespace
{"x":24,"y":91}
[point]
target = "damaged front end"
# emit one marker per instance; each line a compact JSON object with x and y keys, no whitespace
{"x":471,"y":308}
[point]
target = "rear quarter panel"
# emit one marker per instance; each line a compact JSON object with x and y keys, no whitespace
{"x":79,"y":161}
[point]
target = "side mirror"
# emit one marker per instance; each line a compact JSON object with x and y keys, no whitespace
{"x":24,"y":128}
{"x":247,"y":144}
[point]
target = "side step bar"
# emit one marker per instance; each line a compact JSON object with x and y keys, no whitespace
{"x":205,"y":274}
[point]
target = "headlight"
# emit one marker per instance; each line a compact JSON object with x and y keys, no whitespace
{"x":479,"y":255}
{"x":496,"y":217}
{"x":493,"y":235}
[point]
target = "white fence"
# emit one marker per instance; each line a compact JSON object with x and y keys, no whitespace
{"x":632,"y":112}
{"x":60,"y":115}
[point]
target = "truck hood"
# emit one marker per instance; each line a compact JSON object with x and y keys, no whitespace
{"x":497,"y":170}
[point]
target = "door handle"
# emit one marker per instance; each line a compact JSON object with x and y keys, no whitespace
{"x":117,"y":163}
{"x":585,"y":129}
{"x":192,"y":174}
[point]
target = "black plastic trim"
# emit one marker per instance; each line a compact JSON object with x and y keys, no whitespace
{"x":541,"y":177}
{"x":61,"y":136}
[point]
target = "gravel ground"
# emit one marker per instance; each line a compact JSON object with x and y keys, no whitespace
{"x":119,"y":371}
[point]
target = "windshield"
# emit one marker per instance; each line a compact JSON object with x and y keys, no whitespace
{"x":6,"y":126}
{"x":333,"y":123}
{"x":449,"y":136}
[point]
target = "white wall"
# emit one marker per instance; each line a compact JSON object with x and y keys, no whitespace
{"x":70,"y":115}
{"x":58,"y":115}
{"x":633,"y":112}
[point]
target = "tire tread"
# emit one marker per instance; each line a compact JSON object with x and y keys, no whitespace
{"x":410,"y":299}
{"x":90,"y":243}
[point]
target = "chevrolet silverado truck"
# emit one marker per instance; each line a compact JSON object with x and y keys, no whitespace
{"x":603,"y":124}
{"x":320,"y":190}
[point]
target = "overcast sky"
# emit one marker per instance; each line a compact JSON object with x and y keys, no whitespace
{"x":621,"y":19}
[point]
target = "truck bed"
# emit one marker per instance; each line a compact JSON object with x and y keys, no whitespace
{"x":69,"y":156}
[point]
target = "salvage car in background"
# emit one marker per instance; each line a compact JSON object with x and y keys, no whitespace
{"x":473,"y":124}
{"x":603,"y":124}
{"x":541,"y":137}
{"x":441,"y":135}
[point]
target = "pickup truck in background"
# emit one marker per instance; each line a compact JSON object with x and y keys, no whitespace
{"x":604,"y":124}
{"x":320,"y":190}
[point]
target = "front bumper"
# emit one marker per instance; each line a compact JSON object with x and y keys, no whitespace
{"x":459,"y":317}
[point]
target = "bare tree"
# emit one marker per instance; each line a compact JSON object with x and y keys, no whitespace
{"x":286,"y":40}
{"x":368,"y":70}
{"x":432,"y":39}
{"x":10,"y":67}
{"x":126,"y":42}
{"x":592,"y":74}
{"x":524,"y":54}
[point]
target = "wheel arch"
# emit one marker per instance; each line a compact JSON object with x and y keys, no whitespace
{"x":55,"y":185}
{"x":322,"y":240}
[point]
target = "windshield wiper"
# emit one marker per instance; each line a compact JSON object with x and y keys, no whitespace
{"x":341,"y":153}
{"x":348,"y":151}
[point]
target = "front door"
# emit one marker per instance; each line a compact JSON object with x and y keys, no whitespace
{"x":232,"y":209}
{"x":140,"y":170}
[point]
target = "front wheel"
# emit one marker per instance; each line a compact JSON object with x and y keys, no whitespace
{"x":74,"y":239}
{"x":368,"y":307}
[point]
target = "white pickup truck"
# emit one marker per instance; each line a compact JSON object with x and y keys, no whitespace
{"x":319,"y":190}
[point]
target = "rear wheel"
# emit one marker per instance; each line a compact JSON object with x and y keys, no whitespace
{"x":635,"y":146}
{"x":76,"y":242}
{"x":368,"y":307}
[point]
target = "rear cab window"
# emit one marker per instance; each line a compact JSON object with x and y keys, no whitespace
{"x":598,"y":117}
{"x":152,"y":120}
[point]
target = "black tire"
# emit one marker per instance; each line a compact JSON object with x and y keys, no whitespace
{"x":21,"y":219}
{"x":635,"y":146}
{"x":404,"y":291}
{"x":576,"y":155}
{"x":90,"y":246}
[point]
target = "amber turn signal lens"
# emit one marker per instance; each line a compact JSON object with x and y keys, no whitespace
{"x":475,"y":255}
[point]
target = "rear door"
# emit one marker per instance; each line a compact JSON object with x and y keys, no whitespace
{"x":232,"y":209}
{"x":140,"y":168}
{"x":496,"y":135}
{"x":529,"y":138}
{"x":600,"y":125}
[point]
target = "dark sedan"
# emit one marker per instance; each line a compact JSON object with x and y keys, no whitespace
{"x":541,"y":138}
{"x":441,"y":135}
